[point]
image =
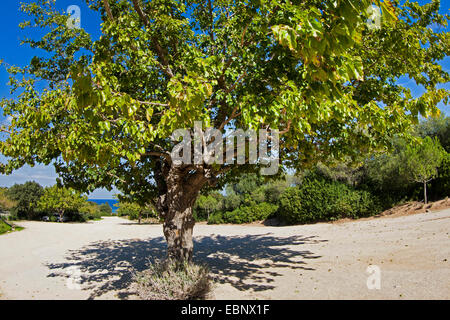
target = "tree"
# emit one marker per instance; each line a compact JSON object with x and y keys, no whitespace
{"x":421,"y":162}
{"x":384,"y":175}
{"x":60,"y":199}
{"x":436,"y":128}
{"x":441,"y":185}
{"x":274,"y":190}
{"x":5,"y":203}
{"x":232,"y":199}
{"x":90,"y":210}
{"x":25,"y":197}
{"x":316,"y":71}
{"x":209,"y":204}
{"x":134,"y":211}
{"x":105,"y":209}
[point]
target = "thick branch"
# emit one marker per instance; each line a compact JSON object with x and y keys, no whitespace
{"x":108,"y":10}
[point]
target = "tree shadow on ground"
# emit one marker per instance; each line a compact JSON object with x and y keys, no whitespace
{"x":246,"y":262}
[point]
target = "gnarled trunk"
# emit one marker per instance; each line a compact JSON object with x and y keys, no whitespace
{"x":179,"y":191}
{"x":178,"y":228}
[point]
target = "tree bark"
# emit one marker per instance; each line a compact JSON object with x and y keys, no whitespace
{"x":425,"y":192}
{"x":178,"y":230}
{"x":175,"y":205}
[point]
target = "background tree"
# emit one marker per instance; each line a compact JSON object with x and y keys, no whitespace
{"x":421,"y":162}
{"x":90,"y":211}
{"x":105,"y":209}
{"x":58,"y":199}
{"x":26,"y":197}
{"x":209,"y":204}
{"x":314,"y":70}
{"x":438,"y":128}
{"x":6,"y":204}
{"x":232,"y":199}
{"x":134,"y":211}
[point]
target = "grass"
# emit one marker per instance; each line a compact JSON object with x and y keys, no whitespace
{"x":4,"y":228}
{"x":166,"y":280}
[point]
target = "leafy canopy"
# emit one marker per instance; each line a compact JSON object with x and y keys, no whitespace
{"x":313,"y":69}
{"x":25,"y":197}
{"x":59,"y":199}
{"x":422,"y":161}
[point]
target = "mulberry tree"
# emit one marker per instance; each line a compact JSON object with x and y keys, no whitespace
{"x":322,"y":73}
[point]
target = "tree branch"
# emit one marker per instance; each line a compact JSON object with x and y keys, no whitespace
{"x":159,"y":154}
{"x":287,"y":129}
{"x":158,"y":47}
{"x":108,"y":10}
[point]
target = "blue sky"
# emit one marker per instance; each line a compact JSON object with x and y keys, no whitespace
{"x":14,"y":54}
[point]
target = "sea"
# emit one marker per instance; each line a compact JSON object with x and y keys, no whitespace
{"x":111,"y":202}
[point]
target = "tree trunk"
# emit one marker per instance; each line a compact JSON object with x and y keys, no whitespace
{"x":425,"y":192}
{"x":175,"y":204}
{"x":178,"y":228}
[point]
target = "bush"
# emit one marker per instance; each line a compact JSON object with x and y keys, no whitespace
{"x":440,"y":187}
{"x":216,"y":218}
{"x":78,"y":217}
{"x":320,"y":200}
{"x":25,"y":196}
{"x":13,"y":217}
{"x":245,"y":214}
{"x":174,"y":281}
{"x":105,"y":209}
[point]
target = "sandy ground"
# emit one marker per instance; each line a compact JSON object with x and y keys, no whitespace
{"x":321,"y":261}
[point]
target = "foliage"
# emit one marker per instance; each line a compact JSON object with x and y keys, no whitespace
{"x":314,"y":70}
{"x":105,"y":209}
{"x":317,"y":199}
{"x":131,"y":210}
{"x":310,"y":67}
{"x":421,"y":161}
{"x":174,"y":281}
{"x":4,"y":227}
{"x":26,"y":197}
{"x":6,"y":204}
{"x":134,"y":211}
{"x":436,"y":128}
{"x":384,"y":176}
{"x":344,"y":171}
{"x":60,"y":200}
{"x":440,"y":187}
{"x":88,"y":211}
{"x":245,"y":214}
{"x":232,"y":199}
{"x":216,"y":218}
{"x":274,"y":190}
{"x":207,"y":204}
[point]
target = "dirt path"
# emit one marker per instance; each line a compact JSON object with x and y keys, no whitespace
{"x":321,"y":261}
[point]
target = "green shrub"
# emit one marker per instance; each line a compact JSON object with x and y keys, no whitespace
{"x":245,"y":214}
{"x":174,"y":281}
{"x":317,"y":199}
{"x":216,"y":218}
{"x":13,"y":217}
{"x":440,"y":187}
{"x":105,"y":209}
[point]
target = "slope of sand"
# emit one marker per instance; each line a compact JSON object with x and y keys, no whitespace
{"x":320,"y":261}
